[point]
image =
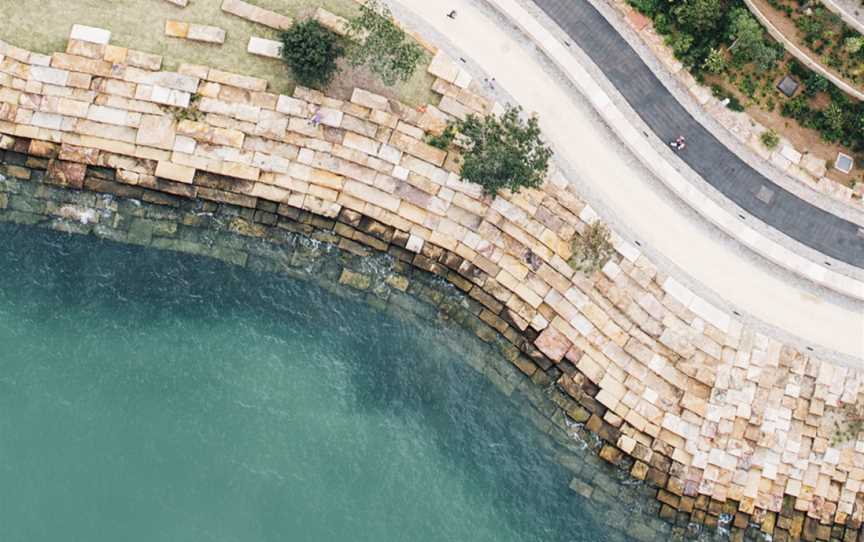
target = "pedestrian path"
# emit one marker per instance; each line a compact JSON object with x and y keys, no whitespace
{"x":807,"y":224}
{"x":627,"y":190}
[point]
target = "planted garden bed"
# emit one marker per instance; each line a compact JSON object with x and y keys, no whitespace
{"x":722,"y":44}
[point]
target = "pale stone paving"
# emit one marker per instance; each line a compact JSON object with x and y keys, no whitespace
{"x":704,"y":404}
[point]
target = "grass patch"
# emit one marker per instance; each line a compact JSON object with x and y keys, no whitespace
{"x":43,"y":26}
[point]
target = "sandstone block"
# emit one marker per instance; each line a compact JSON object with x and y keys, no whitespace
{"x":85,"y":48}
{"x":264,"y":47}
{"x":370,"y":100}
{"x":257,"y":15}
{"x":176,"y":29}
{"x":67,"y":173}
{"x":81,"y":64}
{"x":235,"y":80}
{"x":159,"y":132}
{"x":291,"y":106}
{"x":206,"y":34}
{"x":67,"y":107}
{"x":417,"y":148}
{"x":242,"y":171}
{"x":270,"y":192}
{"x":115,"y":54}
{"x":145,"y":61}
{"x":46,"y":120}
{"x":331,"y":21}
{"x":175,"y":172}
{"x":88,"y":33}
{"x":107,"y":115}
{"x":52,"y":76}
{"x":442,"y":66}
{"x":453,"y":107}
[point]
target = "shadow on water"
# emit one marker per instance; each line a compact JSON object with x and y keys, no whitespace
{"x":404,"y":377}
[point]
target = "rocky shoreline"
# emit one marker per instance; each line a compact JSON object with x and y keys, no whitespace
{"x":728,"y":424}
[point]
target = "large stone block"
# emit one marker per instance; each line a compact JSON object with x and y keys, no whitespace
{"x":176,"y":29}
{"x":175,"y":172}
{"x":52,"y":76}
{"x":417,"y":148}
{"x":442,"y":66}
{"x":370,"y":100}
{"x":331,"y":21}
{"x":235,"y":80}
{"x":264,"y":47}
{"x":158,"y":132}
{"x":88,"y":33}
{"x":206,"y":34}
{"x":67,"y":173}
{"x":258,"y":15}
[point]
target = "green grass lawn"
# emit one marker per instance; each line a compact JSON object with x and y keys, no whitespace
{"x":43,"y":26}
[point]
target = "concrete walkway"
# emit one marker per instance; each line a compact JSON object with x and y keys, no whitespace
{"x":588,"y":147}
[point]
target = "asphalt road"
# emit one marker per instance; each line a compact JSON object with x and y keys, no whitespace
{"x":723,"y":169}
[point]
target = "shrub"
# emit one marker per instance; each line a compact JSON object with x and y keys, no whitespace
{"x":734,"y":104}
{"x":770,"y":139}
{"x":715,"y":62}
{"x":382,"y":45}
{"x":444,"y":139}
{"x":592,"y":249}
{"x":311,"y":51}
{"x":504,"y":152}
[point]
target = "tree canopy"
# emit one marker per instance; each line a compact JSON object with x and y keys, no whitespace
{"x":504,"y":152}
{"x":311,"y":51}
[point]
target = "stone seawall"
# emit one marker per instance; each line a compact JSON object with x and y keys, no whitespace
{"x":726,"y":422}
{"x":306,"y":248}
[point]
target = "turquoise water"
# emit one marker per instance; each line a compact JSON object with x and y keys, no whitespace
{"x":151,"y":396}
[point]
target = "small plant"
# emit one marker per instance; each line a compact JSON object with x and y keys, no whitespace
{"x":504,"y":152}
{"x":444,"y":139}
{"x":715,"y":62}
{"x":592,"y":249}
{"x":850,"y":426}
{"x":311,"y":51}
{"x":381,"y":44}
{"x":770,"y":139}
{"x":188,"y":113}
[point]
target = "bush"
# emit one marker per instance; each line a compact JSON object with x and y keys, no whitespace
{"x":504,"y":152}
{"x":311,"y":51}
{"x":734,"y":104}
{"x":770,"y":139}
{"x":385,"y":47}
{"x":444,"y":139}
{"x":592,"y":249}
{"x":715,"y":62}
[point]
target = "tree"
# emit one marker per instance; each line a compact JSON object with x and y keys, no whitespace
{"x":715,"y":62}
{"x":700,"y":16}
{"x":749,"y":41}
{"x":378,"y":42}
{"x":592,"y":249}
{"x":503,"y":152}
{"x":311,"y":51}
